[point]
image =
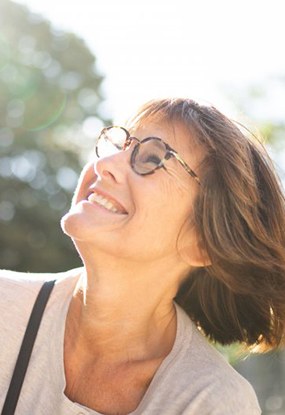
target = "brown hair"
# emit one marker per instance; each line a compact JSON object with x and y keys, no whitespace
{"x":239,"y":215}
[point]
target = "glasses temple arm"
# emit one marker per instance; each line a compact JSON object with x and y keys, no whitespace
{"x":185,"y":166}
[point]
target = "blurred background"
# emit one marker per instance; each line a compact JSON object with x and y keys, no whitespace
{"x":68,"y":68}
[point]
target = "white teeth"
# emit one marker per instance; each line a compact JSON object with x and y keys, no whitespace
{"x":102,"y":201}
{"x":109,"y":205}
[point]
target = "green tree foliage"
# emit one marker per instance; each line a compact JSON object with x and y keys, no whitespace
{"x":263,"y":106}
{"x":49,"y":87}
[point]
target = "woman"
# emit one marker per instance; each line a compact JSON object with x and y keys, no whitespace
{"x":176,"y":245}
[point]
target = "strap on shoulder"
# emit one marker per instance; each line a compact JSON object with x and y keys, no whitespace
{"x":26,"y":349}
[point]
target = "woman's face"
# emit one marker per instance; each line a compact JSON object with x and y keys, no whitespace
{"x":149,"y":216}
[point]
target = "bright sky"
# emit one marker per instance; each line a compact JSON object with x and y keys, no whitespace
{"x":155,"y":48}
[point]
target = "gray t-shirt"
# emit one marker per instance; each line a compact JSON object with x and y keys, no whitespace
{"x":194,"y":379}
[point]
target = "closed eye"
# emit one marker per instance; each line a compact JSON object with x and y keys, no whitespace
{"x":152,"y":158}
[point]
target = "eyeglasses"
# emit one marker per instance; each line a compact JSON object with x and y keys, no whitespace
{"x":148,"y":155}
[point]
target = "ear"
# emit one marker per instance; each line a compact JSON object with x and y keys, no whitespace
{"x":190,"y":248}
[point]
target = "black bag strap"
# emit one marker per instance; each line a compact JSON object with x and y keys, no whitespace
{"x":26,"y":349}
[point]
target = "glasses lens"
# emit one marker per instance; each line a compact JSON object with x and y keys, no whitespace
{"x":111,"y":141}
{"x":149,"y":155}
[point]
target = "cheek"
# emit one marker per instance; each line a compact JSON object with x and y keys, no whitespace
{"x":162,"y":217}
{"x":87,"y":177}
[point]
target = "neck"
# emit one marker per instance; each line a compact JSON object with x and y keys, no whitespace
{"x":122,"y":315}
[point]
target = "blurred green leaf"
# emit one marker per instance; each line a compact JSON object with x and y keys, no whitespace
{"x":49,"y":89}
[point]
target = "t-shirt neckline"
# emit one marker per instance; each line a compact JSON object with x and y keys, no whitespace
{"x":58,"y":357}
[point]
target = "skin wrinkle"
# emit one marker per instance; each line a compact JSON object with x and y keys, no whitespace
{"x":155,"y":179}
{"x":172,"y":170}
{"x":139,"y":263}
{"x":235,"y":164}
{"x":185,"y":226}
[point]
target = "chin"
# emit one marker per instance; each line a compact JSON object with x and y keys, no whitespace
{"x":77,"y":226}
{"x":72,"y":225}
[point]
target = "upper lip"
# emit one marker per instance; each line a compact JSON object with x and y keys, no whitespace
{"x":115,"y":202}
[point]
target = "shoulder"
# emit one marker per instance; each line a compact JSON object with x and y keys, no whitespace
{"x":18,"y":294}
{"x":215,"y":386}
{"x":19,"y":290}
{"x":32,"y":279}
{"x":14,"y":282}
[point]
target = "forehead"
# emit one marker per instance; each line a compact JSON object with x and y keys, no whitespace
{"x":171,"y":130}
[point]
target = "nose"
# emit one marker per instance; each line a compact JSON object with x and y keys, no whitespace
{"x":113,"y":168}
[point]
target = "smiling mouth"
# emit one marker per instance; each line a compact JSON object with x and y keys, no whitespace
{"x":106,"y":203}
